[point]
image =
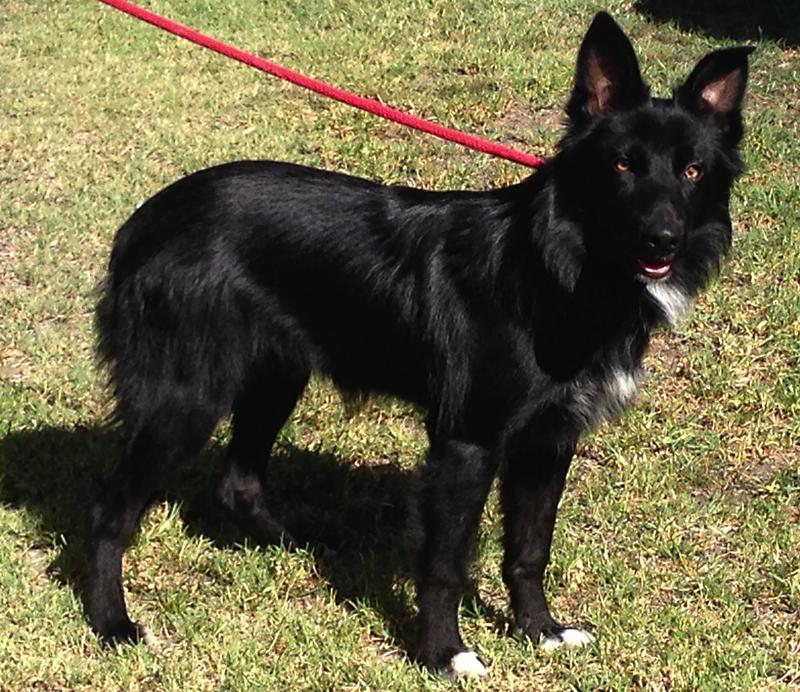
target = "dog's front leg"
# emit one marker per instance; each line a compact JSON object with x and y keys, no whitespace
{"x":533,"y":480}
{"x":456,"y":483}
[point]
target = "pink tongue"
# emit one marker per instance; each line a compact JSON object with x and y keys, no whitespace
{"x":656,"y":270}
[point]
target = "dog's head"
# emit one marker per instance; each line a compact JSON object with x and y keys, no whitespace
{"x":649,"y":179}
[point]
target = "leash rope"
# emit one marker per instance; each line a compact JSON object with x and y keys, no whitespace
{"x":341,"y":95}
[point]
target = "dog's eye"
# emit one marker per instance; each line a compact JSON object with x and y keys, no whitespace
{"x":622,"y":165}
{"x":692,"y":173}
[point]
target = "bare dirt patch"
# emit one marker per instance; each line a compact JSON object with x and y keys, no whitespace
{"x":519,"y":123}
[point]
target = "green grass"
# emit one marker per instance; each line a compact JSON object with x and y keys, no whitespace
{"x":677,"y":542}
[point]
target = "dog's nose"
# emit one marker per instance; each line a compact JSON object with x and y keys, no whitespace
{"x":662,"y":241}
{"x":662,"y":232}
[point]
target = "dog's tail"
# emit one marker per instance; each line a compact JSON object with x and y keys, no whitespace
{"x":172,"y":331}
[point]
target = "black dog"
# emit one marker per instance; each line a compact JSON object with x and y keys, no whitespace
{"x":517,"y":317}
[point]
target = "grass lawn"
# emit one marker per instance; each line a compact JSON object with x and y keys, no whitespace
{"x":678,"y":539}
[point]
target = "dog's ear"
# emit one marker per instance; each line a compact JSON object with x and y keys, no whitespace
{"x":607,"y":73}
{"x":716,"y":87}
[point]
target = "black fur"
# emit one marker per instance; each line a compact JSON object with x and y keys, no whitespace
{"x":518,"y":317}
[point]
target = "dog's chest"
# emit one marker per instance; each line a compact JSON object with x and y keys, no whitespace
{"x":594,"y":397}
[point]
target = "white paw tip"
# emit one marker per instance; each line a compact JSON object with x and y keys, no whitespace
{"x":149,"y":639}
{"x":571,"y":637}
{"x":467,"y":665}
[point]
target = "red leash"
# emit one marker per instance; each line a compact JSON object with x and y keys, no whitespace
{"x":369,"y":105}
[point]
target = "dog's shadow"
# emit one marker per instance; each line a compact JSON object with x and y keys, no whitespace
{"x":743,"y":20}
{"x":354,"y":519}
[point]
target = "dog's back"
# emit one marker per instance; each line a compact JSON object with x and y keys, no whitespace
{"x":376,"y":286}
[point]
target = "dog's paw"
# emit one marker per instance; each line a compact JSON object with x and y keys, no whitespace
{"x":129,"y":632}
{"x":466,"y":665}
{"x":570,"y":637}
{"x":147,"y":638}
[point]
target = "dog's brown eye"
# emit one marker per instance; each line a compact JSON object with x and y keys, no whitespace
{"x":692,"y":173}
{"x":622,"y":165}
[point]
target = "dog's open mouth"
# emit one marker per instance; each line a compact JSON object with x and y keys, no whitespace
{"x":655,"y":270}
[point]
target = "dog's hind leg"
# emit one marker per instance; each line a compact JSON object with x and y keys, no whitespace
{"x":457,"y":483}
{"x":532,"y":485}
{"x":173,"y":433}
{"x":259,"y":412}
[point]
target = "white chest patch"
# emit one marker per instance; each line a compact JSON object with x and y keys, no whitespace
{"x":622,"y":386}
{"x":671,"y":299}
{"x":595,"y":400}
